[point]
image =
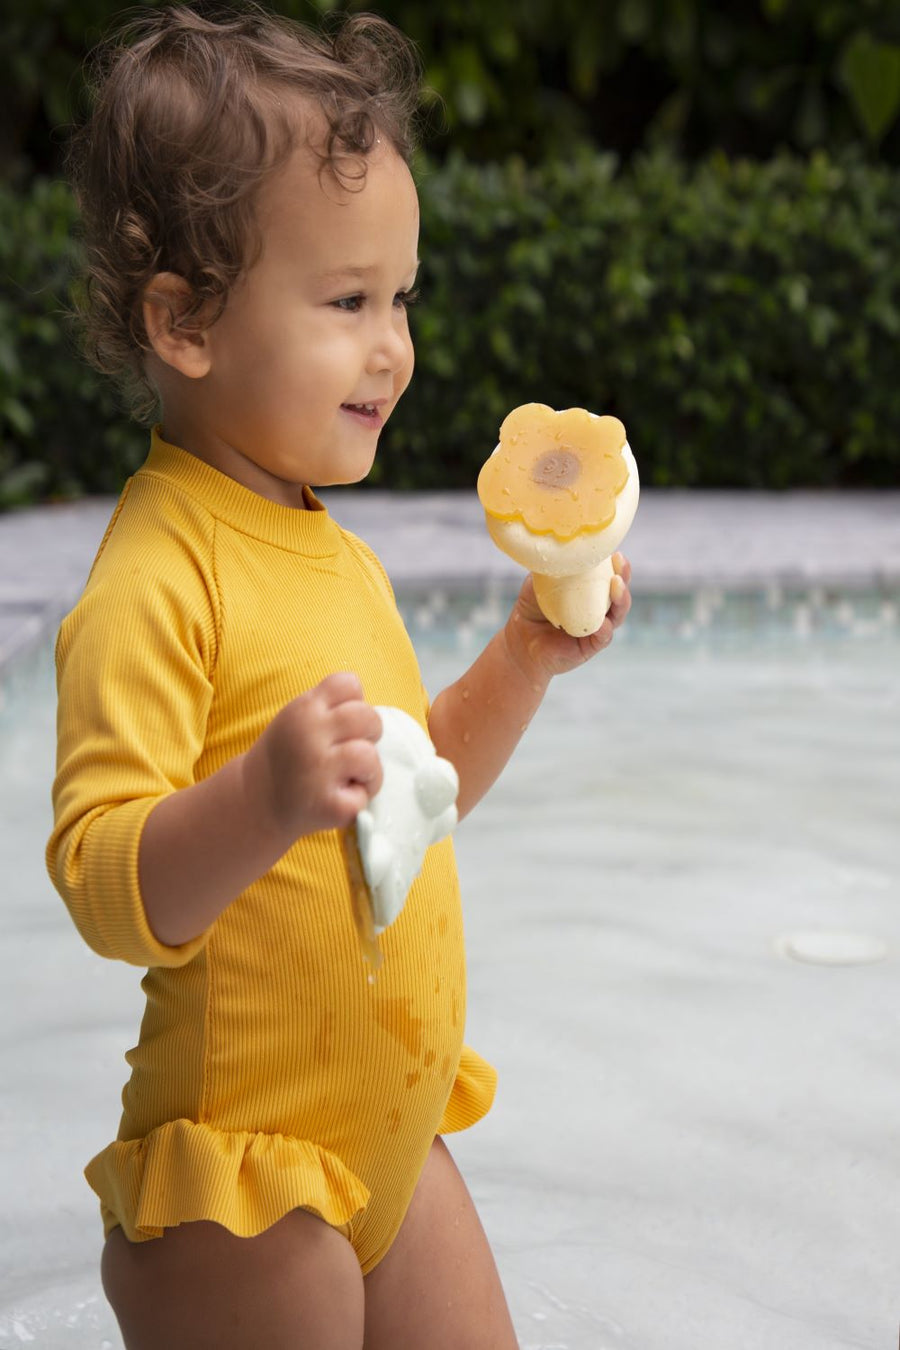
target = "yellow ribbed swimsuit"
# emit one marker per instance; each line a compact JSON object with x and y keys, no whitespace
{"x":270,"y":1074}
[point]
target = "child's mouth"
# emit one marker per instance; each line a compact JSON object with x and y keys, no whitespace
{"x":366,"y":413}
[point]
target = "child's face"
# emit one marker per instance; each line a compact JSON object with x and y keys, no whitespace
{"x":313,"y":350}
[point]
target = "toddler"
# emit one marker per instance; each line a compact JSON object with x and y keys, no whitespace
{"x":279,"y":1178}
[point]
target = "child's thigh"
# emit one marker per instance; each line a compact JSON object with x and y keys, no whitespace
{"x":201,"y":1288}
{"x":438,"y":1287}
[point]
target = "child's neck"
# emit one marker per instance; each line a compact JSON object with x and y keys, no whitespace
{"x":228,"y":460}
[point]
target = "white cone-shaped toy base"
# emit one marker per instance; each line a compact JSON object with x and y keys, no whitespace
{"x":577,"y":604}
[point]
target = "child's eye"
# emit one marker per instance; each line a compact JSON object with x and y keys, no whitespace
{"x":352,"y":304}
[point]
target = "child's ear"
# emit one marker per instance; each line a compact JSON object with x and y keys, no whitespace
{"x":183,"y":346}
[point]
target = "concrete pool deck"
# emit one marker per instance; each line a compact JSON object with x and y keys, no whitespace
{"x":680,"y":540}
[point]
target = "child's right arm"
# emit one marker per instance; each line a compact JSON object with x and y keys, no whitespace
{"x":146,"y":850}
{"x":313,"y":768}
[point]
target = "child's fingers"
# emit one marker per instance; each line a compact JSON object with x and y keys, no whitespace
{"x":618,"y":613}
{"x":340,"y":687}
{"x":358,"y":764}
{"x":347,"y":715}
{"x":622,"y":567}
{"x":349,"y":800}
{"x":619,"y":593}
{"x":620,"y":596}
{"x":527,"y":606}
{"x":603,"y":636}
{"x":354,"y":721}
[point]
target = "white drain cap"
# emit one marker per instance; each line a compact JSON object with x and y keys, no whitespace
{"x":824,"y":948}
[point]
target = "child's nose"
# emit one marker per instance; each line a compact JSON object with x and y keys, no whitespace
{"x":390,"y":350}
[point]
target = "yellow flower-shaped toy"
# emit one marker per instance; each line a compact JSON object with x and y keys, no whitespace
{"x":559,"y":494}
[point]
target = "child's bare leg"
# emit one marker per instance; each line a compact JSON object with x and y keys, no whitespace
{"x":201,"y":1288}
{"x":438,"y":1287}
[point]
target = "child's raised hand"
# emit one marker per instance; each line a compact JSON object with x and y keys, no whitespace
{"x":316,"y":765}
{"x":540,"y":649}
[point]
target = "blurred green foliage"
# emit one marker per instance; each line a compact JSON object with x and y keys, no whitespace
{"x":742,"y":319}
{"x":733,"y":291}
{"x":533,"y":76}
{"x":62,"y":430}
{"x":745,"y":76}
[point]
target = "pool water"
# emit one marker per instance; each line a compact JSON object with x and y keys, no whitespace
{"x":694,"y":1140}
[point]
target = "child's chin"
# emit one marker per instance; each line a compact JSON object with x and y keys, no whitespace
{"x":349,"y":477}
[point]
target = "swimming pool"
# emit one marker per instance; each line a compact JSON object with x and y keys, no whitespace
{"x":694,"y":1141}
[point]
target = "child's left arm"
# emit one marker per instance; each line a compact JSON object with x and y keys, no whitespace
{"x":477,"y":722}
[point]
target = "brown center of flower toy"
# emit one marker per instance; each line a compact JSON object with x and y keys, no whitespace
{"x":558,"y":468}
{"x":558,"y":473}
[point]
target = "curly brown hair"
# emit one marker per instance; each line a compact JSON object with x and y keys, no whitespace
{"x":191,"y":112}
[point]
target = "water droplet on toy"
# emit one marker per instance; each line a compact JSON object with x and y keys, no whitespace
{"x":466,"y":737}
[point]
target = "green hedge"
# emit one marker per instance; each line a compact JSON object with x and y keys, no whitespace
{"x":62,"y":429}
{"x":742,"y":319}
